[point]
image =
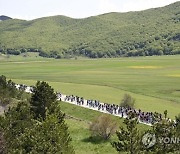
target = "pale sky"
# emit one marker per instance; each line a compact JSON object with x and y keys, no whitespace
{"x":31,"y":9}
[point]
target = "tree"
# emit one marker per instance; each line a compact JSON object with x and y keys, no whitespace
{"x":23,"y":134}
{"x":14,"y":123}
{"x":103,"y":127}
{"x":47,"y":136}
{"x":165,"y":113}
{"x":42,"y":97}
{"x":127,"y":101}
{"x":2,"y":144}
{"x":7,"y":90}
{"x":128,"y":139}
{"x":177,"y":121}
{"x":3,"y":89}
{"x":165,"y":132}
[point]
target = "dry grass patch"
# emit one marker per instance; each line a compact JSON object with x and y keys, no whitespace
{"x":145,"y":67}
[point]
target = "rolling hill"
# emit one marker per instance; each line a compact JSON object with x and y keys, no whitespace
{"x":150,"y":32}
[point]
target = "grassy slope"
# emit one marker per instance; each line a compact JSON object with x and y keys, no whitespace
{"x":80,"y":133}
{"x":153,"y":81}
{"x":108,"y":32}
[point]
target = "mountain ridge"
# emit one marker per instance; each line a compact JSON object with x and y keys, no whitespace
{"x":148,"y":32}
{"x":3,"y":18}
{"x":99,"y":14}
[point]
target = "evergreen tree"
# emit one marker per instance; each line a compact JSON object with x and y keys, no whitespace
{"x":14,"y":123}
{"x":2,"y":144}
{"x":167,"y":136}
{"x":42,"y":97}
{"x":47,"y":136}
{"x":164,"y":132}
{"x":7,"y":90}
{"x":26,"y":135}
{"x":165,"y":113}
{"x":129,"y":138}
{"x":177,"y":121}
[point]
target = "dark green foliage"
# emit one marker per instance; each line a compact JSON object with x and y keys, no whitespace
{"x":24,"y":135}
{"x":167,"y":136}
{"x":14,"y":123}
{"x":42,"y":97}
{"x":48,"y":136}
{"x":2,"y":144}
{"x":165,"y":114}
{"x":162,"y":130}
{"x":13,"y":52}
{"x":177,"y":119}
{"x":144,"y":33}
{"x":166,"y":129}
{"x":129,"y":139}
{"x":7,"y":90}
{"x":41,"y":131}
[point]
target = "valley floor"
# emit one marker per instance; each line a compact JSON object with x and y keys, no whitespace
{"x":152,"y":81}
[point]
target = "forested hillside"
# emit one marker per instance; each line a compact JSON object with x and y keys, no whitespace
{"x":149,"y":32}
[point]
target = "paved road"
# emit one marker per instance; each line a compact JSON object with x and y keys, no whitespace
{"x":63,"y":96}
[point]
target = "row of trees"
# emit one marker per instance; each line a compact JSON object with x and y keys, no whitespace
{"x":51,"y":54}
{"x":123,"y":52}
{"x":11,"y":51}
{"x":166,"y":44}
{"x":36,"y":126}
{"x":99,"y":54}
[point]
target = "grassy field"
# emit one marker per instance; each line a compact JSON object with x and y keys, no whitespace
{"x":79,"y":131}
{"x":78,"y":127}
{"x":153,"y":81}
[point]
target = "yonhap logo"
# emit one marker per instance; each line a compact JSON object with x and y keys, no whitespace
{"x":169,"y":140}
{"x":149,"y":140}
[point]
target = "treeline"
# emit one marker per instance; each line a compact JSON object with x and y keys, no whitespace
{"x":124,"y":52}
{"x":130,"y":50}
{"x":51,"y":54}
{"x":159,"y":45}
{"x":11,"y":51}
{"x":164,"y":44}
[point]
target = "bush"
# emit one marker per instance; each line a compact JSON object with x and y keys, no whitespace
{"x":127,"y":101}
{"x":103,"y":127}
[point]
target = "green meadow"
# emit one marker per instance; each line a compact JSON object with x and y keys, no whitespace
{"x":153,"y":81}
{"x":78,"y":127}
